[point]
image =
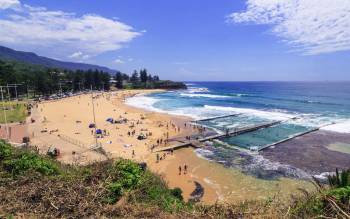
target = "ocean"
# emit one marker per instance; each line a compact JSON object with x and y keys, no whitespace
{"x":300,"y":106}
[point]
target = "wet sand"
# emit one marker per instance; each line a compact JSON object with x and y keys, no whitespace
{"x":311,"y":152}
{"x":224,"y":184}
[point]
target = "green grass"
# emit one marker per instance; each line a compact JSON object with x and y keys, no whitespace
{"x":15,"y":112}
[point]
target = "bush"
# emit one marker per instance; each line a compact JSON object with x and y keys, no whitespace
{"x":125,"y":175}
{"x":177,"y":192}
{"x":341,"y":194}
{"x":154,"y":191}
{"x":30,"y":161}
{"x":339,"y":180}
{"x":18,"y":161}
{"x":6,"y":150}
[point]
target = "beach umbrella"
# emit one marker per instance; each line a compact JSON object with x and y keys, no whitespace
{"x":110,"y":120}
{"x":91,"y":125}
{"x":99,"y":132}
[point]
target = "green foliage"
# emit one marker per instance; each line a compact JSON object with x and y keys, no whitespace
{"x":339,"y":180}
{"x":19,"y":161}
{"x":154,"y":191}
{"x":330,"y":201}
{"x":6,"y":151}
{"x":126,"y":175}
{"x":46,"y":81}
{"x":30,"y":161}
{"x":15,"y":112}
{"x":177,"y":192}
{"x":341,"y":194}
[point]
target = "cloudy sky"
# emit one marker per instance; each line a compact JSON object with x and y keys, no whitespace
{"x":188,"y":39}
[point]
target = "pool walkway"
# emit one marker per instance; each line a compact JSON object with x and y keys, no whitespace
{"x":197,"y":143}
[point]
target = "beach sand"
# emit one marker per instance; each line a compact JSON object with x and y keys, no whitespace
{"x":64,"y":125}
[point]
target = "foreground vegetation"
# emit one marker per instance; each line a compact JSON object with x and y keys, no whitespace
{"x":15,"y":111}
{"x":33,"y":185}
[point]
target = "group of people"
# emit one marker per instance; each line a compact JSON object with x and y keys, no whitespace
{"x":184,"y":169}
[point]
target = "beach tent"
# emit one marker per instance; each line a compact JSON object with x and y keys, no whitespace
{"x":141,"y":137}
{"x":99,"y":132}
{"x":120,"y":121}
{"x":91,"y":125}
{"x":110,"y":120}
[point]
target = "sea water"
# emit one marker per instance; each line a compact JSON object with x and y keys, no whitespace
{"x":314,"y":104}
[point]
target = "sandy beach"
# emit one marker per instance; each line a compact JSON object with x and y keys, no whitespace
{"x":64,"y":124}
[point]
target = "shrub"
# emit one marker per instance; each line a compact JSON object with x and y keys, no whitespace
{"x":125,"y":175}
{"x":340,"y":180}
{"x":6,"y":150}
{"x":177,"y":192}
{"x":154,"y":191}
{"x":341,"y":194}
{"x":29,"y":161}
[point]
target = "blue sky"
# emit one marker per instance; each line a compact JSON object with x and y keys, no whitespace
{"x":202,"y":40}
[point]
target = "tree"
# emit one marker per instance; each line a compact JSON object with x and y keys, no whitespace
{"x":134,"y":77}
{"x":143,"y":75}
{"x":125,"y":77}
{"x":155,"y":78}
{"x":119,"y":80}
{"x":105,"y":80}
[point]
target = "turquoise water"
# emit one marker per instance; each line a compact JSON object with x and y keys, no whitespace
{"x":257,"y":139}
{"x":315,"y":104}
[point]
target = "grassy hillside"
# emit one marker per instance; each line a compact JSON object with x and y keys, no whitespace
{"x":15,"y":112}
{"x":33,"y":185}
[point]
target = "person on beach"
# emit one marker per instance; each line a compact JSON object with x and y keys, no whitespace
{"x":133,"y":153}
{"x":179,"y":170}
{"x":157,"y":158}
{"x":185,"y":169}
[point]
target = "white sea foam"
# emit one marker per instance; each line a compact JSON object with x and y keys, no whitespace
{"x":240,"y":95}
{"x":312,"y":120}
{"x":203,"y":153}
{"x":323,"y":176}
{"x":144,"y":102}
{"x":259,"y":161}
{"x":273,"y":115}
{"x":197,"y":89}
{"x":147,"y":103}
{"x":203,"y":95}
{"x":342,"y":127}
{"x":207,"y":111}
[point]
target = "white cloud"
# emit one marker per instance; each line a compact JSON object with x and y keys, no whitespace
{"x":180,"y":63}
{"x":61,"y":34}
{"x":79,"y":55}
{"x":310,"y":26}
{"x":5,"y":4}
{"x":119,"y":61}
